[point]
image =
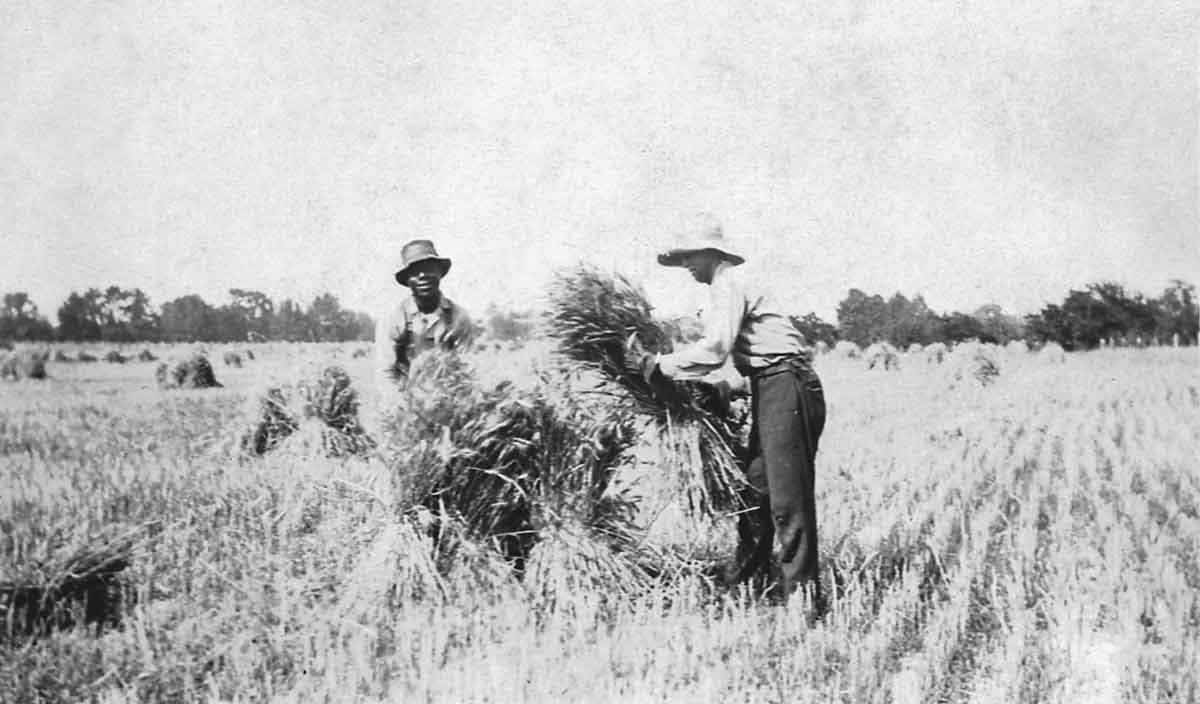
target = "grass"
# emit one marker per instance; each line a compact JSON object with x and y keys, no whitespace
{"x":1037,"y":539}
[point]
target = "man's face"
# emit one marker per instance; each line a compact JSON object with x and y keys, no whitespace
{"x":424,"y":278}
{"x":702,"y":265}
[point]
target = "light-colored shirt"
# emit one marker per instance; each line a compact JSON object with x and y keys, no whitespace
{"x":742,"y":321}
{"x":408,"y":332}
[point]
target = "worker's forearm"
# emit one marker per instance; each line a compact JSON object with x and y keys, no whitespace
{"x":692,"y":364}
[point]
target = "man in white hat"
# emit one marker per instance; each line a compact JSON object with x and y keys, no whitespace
{"x":744,"y":321}
{"x":425,"y":320}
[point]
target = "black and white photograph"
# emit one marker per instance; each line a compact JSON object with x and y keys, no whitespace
{"x":708,"y":351}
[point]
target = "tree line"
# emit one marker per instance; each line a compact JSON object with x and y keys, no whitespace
{"x":1101,"y":313}
{"x":117,"y":314}
{"x":1106,"y":312}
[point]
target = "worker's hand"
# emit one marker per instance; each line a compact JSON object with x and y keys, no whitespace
{"x":648,"y":364}
{"x":722,"y":397}
{"x":739,"y":387}
{"x":658,"y":382}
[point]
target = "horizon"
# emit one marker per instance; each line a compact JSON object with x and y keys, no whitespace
{"x":972,"y":155}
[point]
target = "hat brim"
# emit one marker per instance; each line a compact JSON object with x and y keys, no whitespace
{"x":675,"y":257}
{"x":402,"y":275}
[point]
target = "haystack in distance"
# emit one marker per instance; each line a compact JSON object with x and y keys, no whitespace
{"x":192,"y":372}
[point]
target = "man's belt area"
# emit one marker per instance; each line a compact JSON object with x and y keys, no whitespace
{"x":798,"y":363}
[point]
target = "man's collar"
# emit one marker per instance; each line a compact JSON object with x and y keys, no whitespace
{"x":444,"y":303}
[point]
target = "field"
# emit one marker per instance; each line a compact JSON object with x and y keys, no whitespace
{"x":1034,"y":539}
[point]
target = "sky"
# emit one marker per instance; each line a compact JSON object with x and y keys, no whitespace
{"x":973,"y":152}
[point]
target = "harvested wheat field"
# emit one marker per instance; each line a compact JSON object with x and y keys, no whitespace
{"x":1032,"y":538}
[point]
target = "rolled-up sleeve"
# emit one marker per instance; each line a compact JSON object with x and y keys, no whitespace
{"x":722,"y":321}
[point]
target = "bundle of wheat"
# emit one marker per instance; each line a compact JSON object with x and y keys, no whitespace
{"x":468,"y":566}
{"x":1016,"y":348}
{"x":232,"y":359}
{"x":935,"y":353}
{"x":146,"y":356}
{"x":194,"y":372}
{"x":75,"y":584}
{"x":1053,"y":353}
{"x":60,"y":356}
{"x":504,"y":463}
{"x":360,"y":353}
{"x":331,"y":400}
{"x":275,"y":422}
{"x":328,"y":403}
{"x":396,"y":566}
{"x":882,"y":355}
{"x":973,"y":361}
{"x":115,"y":357}
{"x":24,"y":364}
{"x":846,"y":349}
{"x":574,"y":572}
{"x":85,"y":356}
{"x":605,"y":323}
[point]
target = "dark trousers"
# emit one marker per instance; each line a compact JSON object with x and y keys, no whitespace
{"x":788,"y":408}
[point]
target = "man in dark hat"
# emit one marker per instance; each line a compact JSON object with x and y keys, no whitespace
{"x":425,"y":320}
{"x":745,"y":322}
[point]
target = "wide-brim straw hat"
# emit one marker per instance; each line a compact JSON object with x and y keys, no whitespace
{"x":704,"y":237}
{"x":418,"y":251}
